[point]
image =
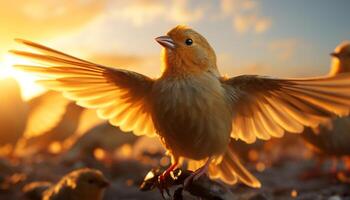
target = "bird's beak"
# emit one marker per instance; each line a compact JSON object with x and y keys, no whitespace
{"x":334,"y":54}
{"x":166,"y":42}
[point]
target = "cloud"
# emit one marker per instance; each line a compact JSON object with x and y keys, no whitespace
{"x":140,"y":12}
{"x":230,"y":66}
{"x":148,"y":65}
{"x":232,"y":6}
{"x":245,"y":15}
{"x":262,"y":25}
{"x":44,"y":18}
{"x":182,"y":13}
{"x":284,"y":48}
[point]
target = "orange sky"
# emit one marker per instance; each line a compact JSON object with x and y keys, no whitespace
{"x":249,"y":36}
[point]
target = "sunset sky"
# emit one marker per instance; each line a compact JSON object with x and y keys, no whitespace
{"x":270,"y":37}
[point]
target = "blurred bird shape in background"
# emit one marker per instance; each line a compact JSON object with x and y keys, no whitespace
{"x":51,"y":118}
{"x":87,"y":184}
{"x":27,"y":127}
{"x":193,"y":109}
{"x":333,"y":138}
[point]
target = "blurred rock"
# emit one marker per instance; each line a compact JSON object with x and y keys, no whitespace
{"x":246,"y":151}
{"x":6,"y":167}
{"x":35,"y":190}
{"x":204,"y":187}
{"x":103,"y":136}
{"x":259,"y":196}
{"x":336,"y":197}
{"x":120,"y":190}
{"x":128,"y":169}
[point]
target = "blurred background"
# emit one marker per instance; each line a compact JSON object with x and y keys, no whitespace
{"x":40,"y":131}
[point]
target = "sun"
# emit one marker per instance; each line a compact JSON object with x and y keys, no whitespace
{"x":29,"y":88}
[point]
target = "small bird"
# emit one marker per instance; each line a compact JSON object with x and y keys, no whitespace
{"x":196,"y":112}
{"x":333,"y":138}
{"x":87,"y":184}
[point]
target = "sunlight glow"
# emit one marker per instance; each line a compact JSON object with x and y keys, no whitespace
{"x":99,"y":154}
{"x":29,"y":88}
{"x":55,"y":147}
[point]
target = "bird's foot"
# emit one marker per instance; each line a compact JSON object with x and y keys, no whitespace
{"x":162,"y":180}
{"x":162,"y":186}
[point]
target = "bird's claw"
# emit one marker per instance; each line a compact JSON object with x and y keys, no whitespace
{"x":162,"y":186}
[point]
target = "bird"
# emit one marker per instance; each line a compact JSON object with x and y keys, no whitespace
{"x":85,"y":183}
{"x":332,"y":138}
{"x":195,"y":111}
{"x":46,"y":124}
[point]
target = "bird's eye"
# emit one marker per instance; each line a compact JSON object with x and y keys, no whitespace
{"x":189,"y":42}
{"x":91,"y":181}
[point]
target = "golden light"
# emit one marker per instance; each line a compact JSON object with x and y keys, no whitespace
{"x":99,"y":154}
{"x":253,"y":155}
{"x":342,"y":177}
{"x":55,"y":147}
{"x":164,"y":161}
{"x":123,"y":152}
{"x":294,"y":193}
{"x":260,"y":166}
{"x":149,"y":175}
{"x":6,"y":149}
{"x":129,"y":182}
{"x":29,"y":88}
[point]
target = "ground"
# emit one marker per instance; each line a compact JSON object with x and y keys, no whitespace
{"x":282,"y":179}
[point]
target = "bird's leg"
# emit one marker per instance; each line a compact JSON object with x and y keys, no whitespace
{"x":162,"y":179}
{"x":168,"y":171}
{"x":198,"y":173}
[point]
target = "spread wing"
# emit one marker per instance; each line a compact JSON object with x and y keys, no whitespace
{"x":266,"y":107}
{"x":121,"y":96}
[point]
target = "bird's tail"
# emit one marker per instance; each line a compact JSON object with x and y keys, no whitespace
{"x":230,"y":170}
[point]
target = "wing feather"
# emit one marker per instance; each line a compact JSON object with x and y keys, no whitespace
{"x":266,"y":107}
{"x":118,"y":95}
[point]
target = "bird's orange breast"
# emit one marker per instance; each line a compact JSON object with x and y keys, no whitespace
{"x":191,"y":115}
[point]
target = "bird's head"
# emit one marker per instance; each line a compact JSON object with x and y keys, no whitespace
{"x":87,"y":182}
{"x":186,"y":51}
{"x":341,"y":58}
